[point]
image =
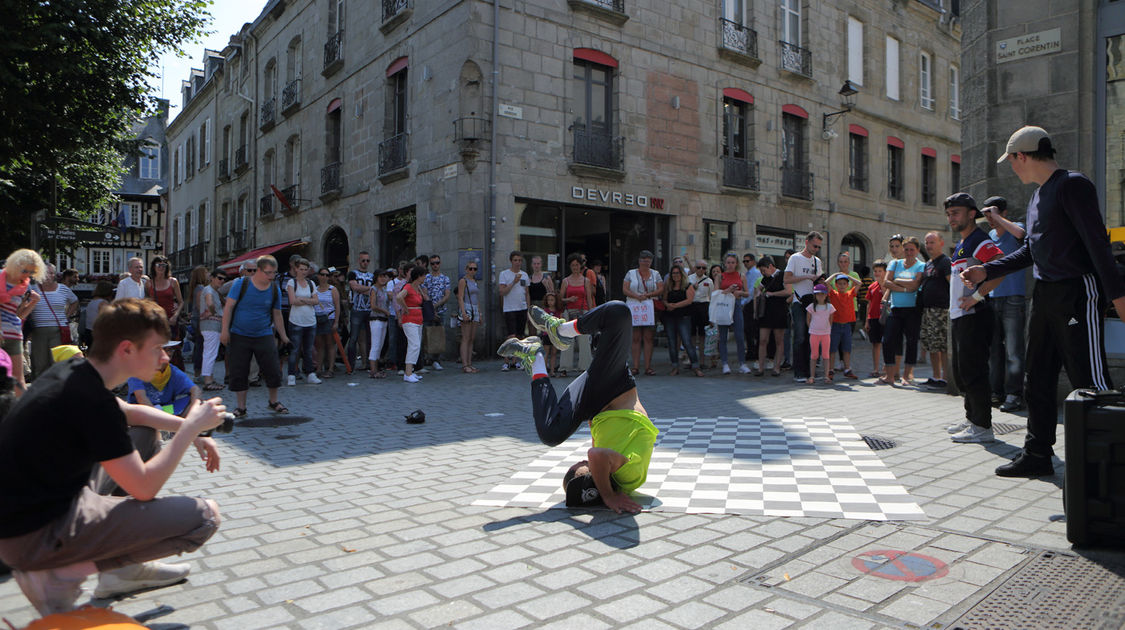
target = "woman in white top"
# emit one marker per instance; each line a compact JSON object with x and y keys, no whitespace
{"x":642,"y":285}
{"x":211,"y":327}
{"x":327,"y":309}
{"x":302,"y":322}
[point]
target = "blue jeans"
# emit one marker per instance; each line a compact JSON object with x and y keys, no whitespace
{"x":678,"y":327}
{"x":302,"y":338}
{"x":802,"y":350}
{"x":357,"y":325}
{"x":739,"y":337}
{"x":1006,"y":357}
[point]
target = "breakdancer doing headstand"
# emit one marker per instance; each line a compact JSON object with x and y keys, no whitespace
{"x":605,"y":394}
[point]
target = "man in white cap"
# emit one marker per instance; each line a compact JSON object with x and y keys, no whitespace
{"x":1068,"y":248}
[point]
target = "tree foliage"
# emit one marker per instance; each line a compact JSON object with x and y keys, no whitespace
{"x":73,"y":80}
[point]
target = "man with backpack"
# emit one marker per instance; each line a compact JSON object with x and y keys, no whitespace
{"x":252,"y":307}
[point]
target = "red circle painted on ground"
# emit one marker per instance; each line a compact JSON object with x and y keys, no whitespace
{"x":902,"y":566}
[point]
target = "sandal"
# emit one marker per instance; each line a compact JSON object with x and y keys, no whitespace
{"x":277,"y":407}
{"x":650,"y":372}
{"x":239,"y":412}
{"x":561,"y":373}
{"x":467,"y":369}
{"x":635,"y":371}
{"x":674,"y":372}
{"x":699,"y":372}
{"x":380,"y":374}
{"x":775,"y":373}
{"x":875,"y":375}
{"x":329,"y":375}
{"x":212,"y":387}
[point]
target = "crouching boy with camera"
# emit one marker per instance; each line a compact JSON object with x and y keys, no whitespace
{"x":55,"y":529}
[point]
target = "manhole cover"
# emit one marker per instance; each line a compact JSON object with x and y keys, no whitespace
{"x":1000,"y":428}
{"x":876,"y":443}
{"x":273,"y":421}
{"x":1054,"y":590}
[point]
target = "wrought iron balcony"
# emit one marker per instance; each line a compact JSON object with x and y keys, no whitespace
{"x":239,"y":242}
{"x":597,"y":149}
{"x":290,"y":96}
{"x":330,"y":179}
{"x":740,"y":173}
{"x":269,"y":114}
{"x":739,"y":38}
{"x":292,"y":196}
{"x":240,"y":161}
{"x":333,"y":53}
{"x":392,"y":153}
{"x":265,"y":206}
{"x":392,"y":8}
{"x":797,"y":182}
{"x":224,"y":169}
{"x":612,"y":11}
{"x":796,"y":59}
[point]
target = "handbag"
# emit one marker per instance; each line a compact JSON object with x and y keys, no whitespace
{"x":721,"y":310}
{"x":429,"y":314}
{"x":64,"y":328}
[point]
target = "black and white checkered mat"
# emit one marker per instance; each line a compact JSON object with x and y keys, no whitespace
{"x":818,"y":467}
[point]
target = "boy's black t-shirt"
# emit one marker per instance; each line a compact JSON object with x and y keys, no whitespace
{"x":50,"y":442}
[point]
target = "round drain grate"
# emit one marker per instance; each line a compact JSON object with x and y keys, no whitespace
{"x":876,"y":443}
{"x":272,"y":421}
{"x":1000,"y":428}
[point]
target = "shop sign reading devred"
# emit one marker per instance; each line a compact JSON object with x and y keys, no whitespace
{"x":617,"y":197}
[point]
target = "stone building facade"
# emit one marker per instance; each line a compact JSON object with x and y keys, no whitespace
{"x":1059,"y":64}
{"x":685,"y":128}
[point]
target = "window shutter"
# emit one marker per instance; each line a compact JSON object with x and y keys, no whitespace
{"x":892,"y":68}
{"x":855,"y":51}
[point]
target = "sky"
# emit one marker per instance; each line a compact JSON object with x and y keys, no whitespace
{"x":227,"y":17}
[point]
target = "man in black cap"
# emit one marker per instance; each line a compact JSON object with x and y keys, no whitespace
{"x":970,"y":320}
{"x":1009,"y":311}
{"x":1068,"y":249}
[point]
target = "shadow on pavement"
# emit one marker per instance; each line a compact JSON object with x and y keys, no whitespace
{"x":615,"y":530}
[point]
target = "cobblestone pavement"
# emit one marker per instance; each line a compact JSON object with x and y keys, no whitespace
{"x":356,"y":519}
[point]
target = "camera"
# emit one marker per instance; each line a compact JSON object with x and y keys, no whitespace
{"x":226,"y":427}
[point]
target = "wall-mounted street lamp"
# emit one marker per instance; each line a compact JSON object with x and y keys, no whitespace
{"x":848,"y":92}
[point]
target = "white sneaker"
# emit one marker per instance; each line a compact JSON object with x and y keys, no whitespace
{"x":504,"y":368}
{"x":957,"y":428}
{"x":437,"y":366}
{"x":313,"y":378}
{"x":292,"y":382}
{"x":744,"y":369}
{"x":138,"y":577}
{"x":726,"y":369}
{"x":756,"y":366}
{"x":48,"y":592}
{"x":412,"y":378}
{"x":974,"y":435}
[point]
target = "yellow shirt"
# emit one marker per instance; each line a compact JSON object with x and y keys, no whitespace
{"x":633,"y":435}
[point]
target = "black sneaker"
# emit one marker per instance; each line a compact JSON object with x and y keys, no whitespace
{"x":1027,"y":465}
{"x":997,"y":400}
{"x":1012,"y":403}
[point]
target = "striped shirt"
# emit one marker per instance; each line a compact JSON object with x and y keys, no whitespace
{"x":10,"y":325}
{"x":59,"y":299}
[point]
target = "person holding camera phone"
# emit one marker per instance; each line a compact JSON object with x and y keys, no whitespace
{"x":515,"y":298}
{"x":54,"y":528}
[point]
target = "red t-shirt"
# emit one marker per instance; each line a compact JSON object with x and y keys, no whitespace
{"x":874,"y":300}
{"x":844,"y":301}
{"x":413,"y":306}
{"x":732,"y":278}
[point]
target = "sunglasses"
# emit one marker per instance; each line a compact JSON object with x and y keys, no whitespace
{"x":324,"y":273}
{"x":470,"y":268}
{"x":160,"y":264}
{"x":435,"y":262}
{"x":250,"y":270}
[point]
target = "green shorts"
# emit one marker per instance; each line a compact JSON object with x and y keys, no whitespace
{"x":631,"y":434}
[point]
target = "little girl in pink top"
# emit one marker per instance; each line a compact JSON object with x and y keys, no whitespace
{"x":820,"y":330}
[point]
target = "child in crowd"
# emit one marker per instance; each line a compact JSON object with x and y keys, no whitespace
{"x":819,"y":320}
{"x":169,"y":389}
{"x":553,"y":308}
{"x":874,"y":324}
{"x":842,"y":297}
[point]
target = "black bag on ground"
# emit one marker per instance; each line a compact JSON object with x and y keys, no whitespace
{"x":1094,"y":488}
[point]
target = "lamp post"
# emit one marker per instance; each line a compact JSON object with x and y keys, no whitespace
{"x":848,"y":92}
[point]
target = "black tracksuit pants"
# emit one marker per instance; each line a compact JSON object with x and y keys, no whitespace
{"x":557,"y":418}
{"x":972,"y":336}
{"x":1066,"y":328}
